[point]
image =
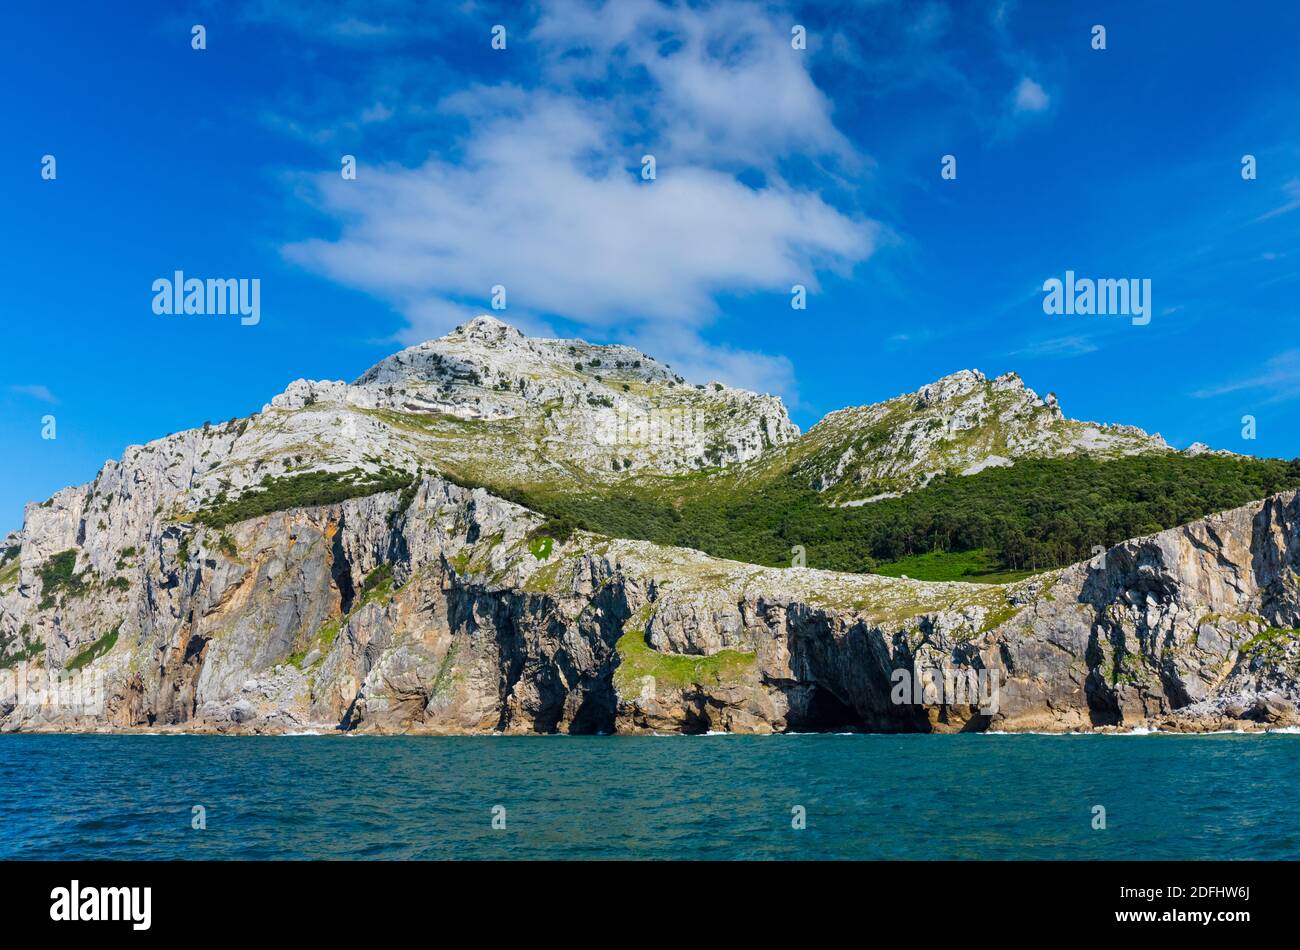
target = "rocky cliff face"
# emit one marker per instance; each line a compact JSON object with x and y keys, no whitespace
{"x":440,"y":610}
{"x":417,"y":604}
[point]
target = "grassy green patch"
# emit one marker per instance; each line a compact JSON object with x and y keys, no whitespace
{"x":1270,"y":645}
{"x":981,"y":567}
{"x":377,"y":587}
{"x":540,"y":548}
{"x":304,"y":490}
{"x":543,"y":580}
{"x":1241,"y":619}
{"x":58,"y":577}
{"x":323,"y":640}
{"x":999,"y":615}
{"x":444,"y":680}
{"x":476,"y":558}
{"x":25,"y":648}
{"x":328,"y":633}
{"x":675,"y":670}
{"x":95,"y":650}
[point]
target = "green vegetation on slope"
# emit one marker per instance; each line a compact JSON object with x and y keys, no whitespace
{"x":322,"y":640}
{"x":676,"y":670}
{"x":9,"y":573}
{"x":1270,"y":646}
{"x":980,"y":566}
{"x":303,"y":490}
{"x":1031,"y":516}
{"x":58,"y":576}
{"x":376,"y":587}
{"x":22,"y":648}
{"x":95,"y":650}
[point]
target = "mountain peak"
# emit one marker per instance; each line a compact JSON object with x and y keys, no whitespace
{"x":488,"y":329}
{"x":949,"y":387}
{"x":963,"y":423}
{"x":554,"y":407}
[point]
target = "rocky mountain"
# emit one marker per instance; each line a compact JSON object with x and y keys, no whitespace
{"x":328,"y":564}
{"x":486,"y":397}
{"x":963,"y":423}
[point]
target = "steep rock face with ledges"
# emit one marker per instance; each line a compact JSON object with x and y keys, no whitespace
{"x":435,"y":611}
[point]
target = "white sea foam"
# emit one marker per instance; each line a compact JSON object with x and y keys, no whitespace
{"x":1145,"y":731}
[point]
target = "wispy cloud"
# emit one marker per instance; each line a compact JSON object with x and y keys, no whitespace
{"x":931,"y":21}
{"x":898,"y":341}
{"x":35,"y":391}
{"x":724,"y":87}
{"x":347,"y":22}
{"x":1060,"y":347}
{"x":1277,"y":381}
{"x":761,"y":372}
{"x":1029,"y":96}
{"x":894,"y":49}
{"x":1292,"y":191}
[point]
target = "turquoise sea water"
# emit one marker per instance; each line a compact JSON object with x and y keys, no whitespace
{"x":916,"y":796}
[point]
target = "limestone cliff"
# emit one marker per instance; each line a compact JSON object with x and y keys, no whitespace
{"x":320,"y":565}
{"x":440,"y":610}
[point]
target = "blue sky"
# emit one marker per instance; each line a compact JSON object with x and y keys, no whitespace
{"x":775,"y":166}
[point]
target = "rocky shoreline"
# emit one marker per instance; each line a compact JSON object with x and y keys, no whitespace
{"x":434,"y":612}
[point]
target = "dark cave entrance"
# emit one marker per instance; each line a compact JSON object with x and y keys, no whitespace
{"x":820,"y":710}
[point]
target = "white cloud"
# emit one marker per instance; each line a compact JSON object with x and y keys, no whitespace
{"x":911,"y":338}
{"x":696,"y":360}
{"x":598,"y":245}
{"x":377,"y":113}
{"x":1292,"y":191}
{"x":36,"y":391}
{"x":1030,"y":96}
{"x":725,"y":77}
{"x":346,"y":22}
{"x":544,"y":194}
{"x":1059,"y":347}
{"x":1279,"y":379}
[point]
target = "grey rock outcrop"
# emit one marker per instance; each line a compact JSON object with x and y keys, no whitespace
{"x":962,"y":423}
{"x":436,"y":612}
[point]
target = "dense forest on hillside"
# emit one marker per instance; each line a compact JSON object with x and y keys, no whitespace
{"x":1031,"y":516}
